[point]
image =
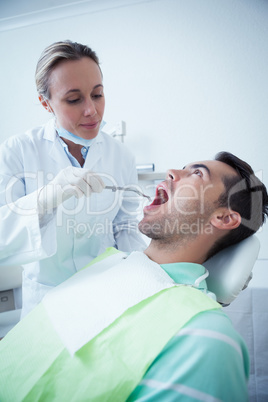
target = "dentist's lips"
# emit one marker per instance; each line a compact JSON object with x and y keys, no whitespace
{"x":90,"y":126}
{"x":161,"y":197}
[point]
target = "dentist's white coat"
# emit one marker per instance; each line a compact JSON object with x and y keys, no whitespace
{"x":80,"y":229}
{"x":22,"y":243}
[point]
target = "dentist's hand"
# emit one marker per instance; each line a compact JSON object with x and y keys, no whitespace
{"x":68,"y":182}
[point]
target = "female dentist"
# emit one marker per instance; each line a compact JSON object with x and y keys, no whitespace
{"x":46,"y":177}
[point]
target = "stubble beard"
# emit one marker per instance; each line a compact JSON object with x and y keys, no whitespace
{"x":174,"y":228}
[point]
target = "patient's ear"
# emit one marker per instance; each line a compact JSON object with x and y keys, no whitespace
{"x":225,"y":219}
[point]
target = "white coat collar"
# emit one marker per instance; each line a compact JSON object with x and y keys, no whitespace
{"x":57,"y":152}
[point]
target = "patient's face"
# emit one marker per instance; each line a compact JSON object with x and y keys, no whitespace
{"x":185,"y":201}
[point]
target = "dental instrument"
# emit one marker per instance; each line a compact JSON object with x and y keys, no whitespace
{"x":118,"y":188}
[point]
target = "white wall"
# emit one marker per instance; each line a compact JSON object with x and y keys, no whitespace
{"x":188,"y":76}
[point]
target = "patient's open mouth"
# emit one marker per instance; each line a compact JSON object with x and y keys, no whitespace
{"x":161,"y":196}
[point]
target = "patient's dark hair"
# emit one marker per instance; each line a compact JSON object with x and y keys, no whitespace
{"x":244,"y":194}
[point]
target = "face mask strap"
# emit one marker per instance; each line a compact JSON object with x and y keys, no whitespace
{"x":45,"y":102}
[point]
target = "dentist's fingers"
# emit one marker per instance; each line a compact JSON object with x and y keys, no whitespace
{"x":71,"y":181}
{"x":85,"y":180}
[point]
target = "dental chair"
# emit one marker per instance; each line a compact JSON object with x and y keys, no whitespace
{"x":230,"y":270}
{"x":10,"y":297}
{"x":229,"y":273}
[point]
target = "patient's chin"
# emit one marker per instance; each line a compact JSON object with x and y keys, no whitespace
{"x":153,"y":231}
{"x":144,"y":228}
{"x":141,"y":226}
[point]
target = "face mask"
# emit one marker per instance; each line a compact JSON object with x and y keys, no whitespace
{"x":74,"y":138}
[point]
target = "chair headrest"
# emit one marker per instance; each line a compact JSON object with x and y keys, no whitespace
{"x":230,"y":269}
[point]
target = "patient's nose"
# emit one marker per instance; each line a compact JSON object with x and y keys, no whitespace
{"x":173,"y":175}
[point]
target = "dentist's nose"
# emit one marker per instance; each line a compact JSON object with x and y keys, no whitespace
{"x":90,"y":109}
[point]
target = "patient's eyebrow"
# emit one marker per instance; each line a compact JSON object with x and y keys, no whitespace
{"x":199,"y":165}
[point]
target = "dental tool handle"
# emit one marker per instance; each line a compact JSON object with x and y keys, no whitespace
{"x":115,"y":188}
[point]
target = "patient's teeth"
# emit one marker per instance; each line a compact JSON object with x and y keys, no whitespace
{"x":163,"y":197}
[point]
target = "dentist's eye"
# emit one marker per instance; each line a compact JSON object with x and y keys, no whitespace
{"x":73,"y":101}
{"x":97,"y":96}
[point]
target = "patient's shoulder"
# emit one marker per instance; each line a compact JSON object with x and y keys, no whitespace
{"x":205,"y":354}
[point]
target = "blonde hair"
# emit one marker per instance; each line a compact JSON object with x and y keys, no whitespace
{"x":53,"y":55}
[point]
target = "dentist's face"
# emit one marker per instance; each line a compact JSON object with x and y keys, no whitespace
{"x":185,"y":201}
{"x":77,"y":97}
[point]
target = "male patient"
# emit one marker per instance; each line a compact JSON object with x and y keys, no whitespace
{"x":144,"y":326}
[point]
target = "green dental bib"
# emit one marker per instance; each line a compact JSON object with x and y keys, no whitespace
{"x":35,"y":365}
